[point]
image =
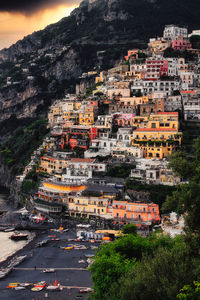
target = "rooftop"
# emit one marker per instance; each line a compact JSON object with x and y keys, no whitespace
{"x":156,"y":129}
{"x":82,"y":160}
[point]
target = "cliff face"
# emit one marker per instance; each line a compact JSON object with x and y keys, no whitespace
{"x":7,"y":179}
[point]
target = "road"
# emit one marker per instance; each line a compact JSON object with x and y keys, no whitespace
{"x":68,"y":272}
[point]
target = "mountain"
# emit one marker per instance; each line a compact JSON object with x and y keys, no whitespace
{"x":47,"y":63}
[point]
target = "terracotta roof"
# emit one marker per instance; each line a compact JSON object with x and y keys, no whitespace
{"x":168,"y":113}
{"x":187,"y":92}
{"x":155,"y":129}
{"x":82,"y":160}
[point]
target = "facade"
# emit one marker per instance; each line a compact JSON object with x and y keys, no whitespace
{"x":173,"y":31}
{"x":181,"y":44}
{"x":156,"y":68}
{"x":146,"y":87}
{"x":158,"y":45}
{"x":135,"y":212}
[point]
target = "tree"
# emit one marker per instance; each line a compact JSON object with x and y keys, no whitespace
{"x":190,"y":292}
{"x":130,"y":229}
{"x":180,"y":164}
{"x":158,"y":277}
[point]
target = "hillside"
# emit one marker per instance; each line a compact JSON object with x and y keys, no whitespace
{"x":47,"y":64}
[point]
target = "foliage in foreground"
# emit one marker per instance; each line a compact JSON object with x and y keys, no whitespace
{"x":135,"y":267}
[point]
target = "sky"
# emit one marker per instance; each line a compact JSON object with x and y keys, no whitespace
{"x":19,"y":18}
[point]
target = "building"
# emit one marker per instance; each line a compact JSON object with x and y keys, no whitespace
{"x":156,"y":68}
{"x":54,"y":163}
{"x":158,"y":45}
{"x":173,"y":103}
{"x":135,"y":212}
{"x":181,"y":44}
{"x":132,"y":54}
{"x":171,"y":32}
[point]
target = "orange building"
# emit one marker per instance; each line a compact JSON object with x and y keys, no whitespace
{"x":135,"y":212}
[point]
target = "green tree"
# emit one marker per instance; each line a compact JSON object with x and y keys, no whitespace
{"x":130,"y":229}
{"x":190,"y":292}
{"x":180,"y":164}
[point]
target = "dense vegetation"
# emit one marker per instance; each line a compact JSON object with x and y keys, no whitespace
{"x":17,"y":149}
{"x":122,"y":171}
{"x":135,"y":267}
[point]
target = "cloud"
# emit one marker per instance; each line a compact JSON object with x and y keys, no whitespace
{"x":32,"y":6}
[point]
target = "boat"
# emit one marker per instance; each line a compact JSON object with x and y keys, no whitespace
{"x":16,"y":261}
{"x":81,"y":261}
{"x":51,"y":236}
{"x":26,"y":284}
{"x":85,"y":290}
{"x":69,"y":248}
{"x":42,"y":243}
{"x":39,"y":286}
{"x":48,"y":270}
{"x":54,"y":287}
{"x":13,"y":285}
{"x":9,"y":229}
{"x":4,"y":272}
{"x":18,"y":288}
{"x":55,"y":239}
{"x":19,"y":236}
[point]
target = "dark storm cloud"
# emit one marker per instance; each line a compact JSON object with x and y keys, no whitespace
{"x":31,"y":6}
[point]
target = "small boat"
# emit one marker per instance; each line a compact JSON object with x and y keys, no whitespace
{"x":13,"y":285}
{"x":52,"y":236}
{"x":4,"y":272}
{"x":48,"y":270}
{"x":42,"y":243}
{"x":81,"y":261}
{"x":54,"y":287}
{"x":69,"y":248}
{"x":19,"y":236}
{"x":39,"y":286}
{"x":26,"y":284}
{"x":18,"y":288}
{"x":9,"y":229}
{"x":85,"y":290}
{"x":55,"y":239}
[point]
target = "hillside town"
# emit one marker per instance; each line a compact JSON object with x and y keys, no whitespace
{"x":130,"y":118}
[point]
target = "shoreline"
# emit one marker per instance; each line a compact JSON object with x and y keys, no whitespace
{"x":26,"y":247}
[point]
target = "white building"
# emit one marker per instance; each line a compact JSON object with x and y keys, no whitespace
{"x":173,"y":103}
{"x":171,"y":32}
{"x":150,"y":86}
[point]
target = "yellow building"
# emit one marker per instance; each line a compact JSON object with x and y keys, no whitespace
{"x":87,"y":117}
{"x":52,"y":165}
{"x":164,"y":120}
{"x":86,"y":206}
{"x":156,"y":142}
{"x":101,"y":77}
{"x":133,"y":100}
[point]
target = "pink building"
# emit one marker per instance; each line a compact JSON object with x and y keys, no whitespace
{"x":181,"y":44}
{"x":124,"y":120}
